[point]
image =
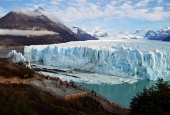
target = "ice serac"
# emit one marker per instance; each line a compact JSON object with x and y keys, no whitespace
{"x":18,"y":58}
{"x":124,"y":58}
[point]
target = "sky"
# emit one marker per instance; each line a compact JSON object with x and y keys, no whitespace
{"x":121,"y":15}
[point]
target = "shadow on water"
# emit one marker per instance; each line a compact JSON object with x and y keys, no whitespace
{"x":120,"y":93}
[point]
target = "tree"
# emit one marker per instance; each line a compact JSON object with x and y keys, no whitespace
{"x":152,"y":101}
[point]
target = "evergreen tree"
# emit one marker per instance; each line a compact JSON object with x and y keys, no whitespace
{"x":152,"y":101}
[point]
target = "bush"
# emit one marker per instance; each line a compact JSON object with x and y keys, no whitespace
{"x":152,"y":101}
{"x":25,"y":71}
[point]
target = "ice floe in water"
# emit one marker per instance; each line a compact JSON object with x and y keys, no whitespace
{"x":92,"y":78}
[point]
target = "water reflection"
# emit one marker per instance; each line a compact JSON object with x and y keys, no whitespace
{"x":120,"y":93}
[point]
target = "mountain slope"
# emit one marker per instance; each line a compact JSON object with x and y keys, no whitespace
{"x":20,"y":21}
{"x":167,"y":39}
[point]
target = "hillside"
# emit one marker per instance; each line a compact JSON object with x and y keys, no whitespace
{"x":8,"y":69}
{"x":20,"y":99}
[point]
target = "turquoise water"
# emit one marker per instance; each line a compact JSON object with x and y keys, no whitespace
{"x":120,"y":93}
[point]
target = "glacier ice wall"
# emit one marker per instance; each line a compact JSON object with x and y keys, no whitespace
{"x":125,"y":58}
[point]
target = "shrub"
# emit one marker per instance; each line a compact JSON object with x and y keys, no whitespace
{"x":26,"y":70}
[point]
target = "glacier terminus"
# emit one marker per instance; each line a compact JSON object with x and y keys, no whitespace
{"x":137,"y":59}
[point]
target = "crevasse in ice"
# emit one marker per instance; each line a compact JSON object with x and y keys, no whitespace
{"x":125,"y":58}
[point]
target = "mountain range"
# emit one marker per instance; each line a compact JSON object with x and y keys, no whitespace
{"x":162,"y":34}
{"x":36,"y":23}
{"x":158,"y":35}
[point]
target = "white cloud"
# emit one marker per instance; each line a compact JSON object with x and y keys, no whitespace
{"x":81,"y":1}
{"x":2,"y":12}
{"x":158,"y":8}
{"x":38,"y":13}
{"x":160,"y":1}
{"x":126,"y":6}
{"x":70,"y":3}
{"x":157,"y":15}
{"x":1,"y":9}
{"x":83,"y":10}
{"x":55,"y":2}
{"x":113,"y":3}
{"x":142,"y":3}
{"x":102,"y":12}
{"x":25,"y":32}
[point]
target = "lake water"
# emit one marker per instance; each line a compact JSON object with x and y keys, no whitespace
{"x":117,"y":93}
{"x":120,"y":93}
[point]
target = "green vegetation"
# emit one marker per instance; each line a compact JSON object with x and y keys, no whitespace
{"x":9,"y":69}
{"x":26,"y":100}
{"x":152,"y":101}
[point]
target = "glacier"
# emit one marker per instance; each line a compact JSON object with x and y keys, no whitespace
{"x":137,"y":59}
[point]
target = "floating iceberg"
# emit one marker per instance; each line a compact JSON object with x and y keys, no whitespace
{"x":18,"y":58}
{"x":138,"y":59}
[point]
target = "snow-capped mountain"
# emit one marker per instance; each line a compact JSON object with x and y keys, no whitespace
{"x":136,"y":34}
{"x":136,"y":31}
{"x":83,"y":35}
{"x":158,"y":35}
{"x":98,"y":33}
{"x":104,"y":34}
